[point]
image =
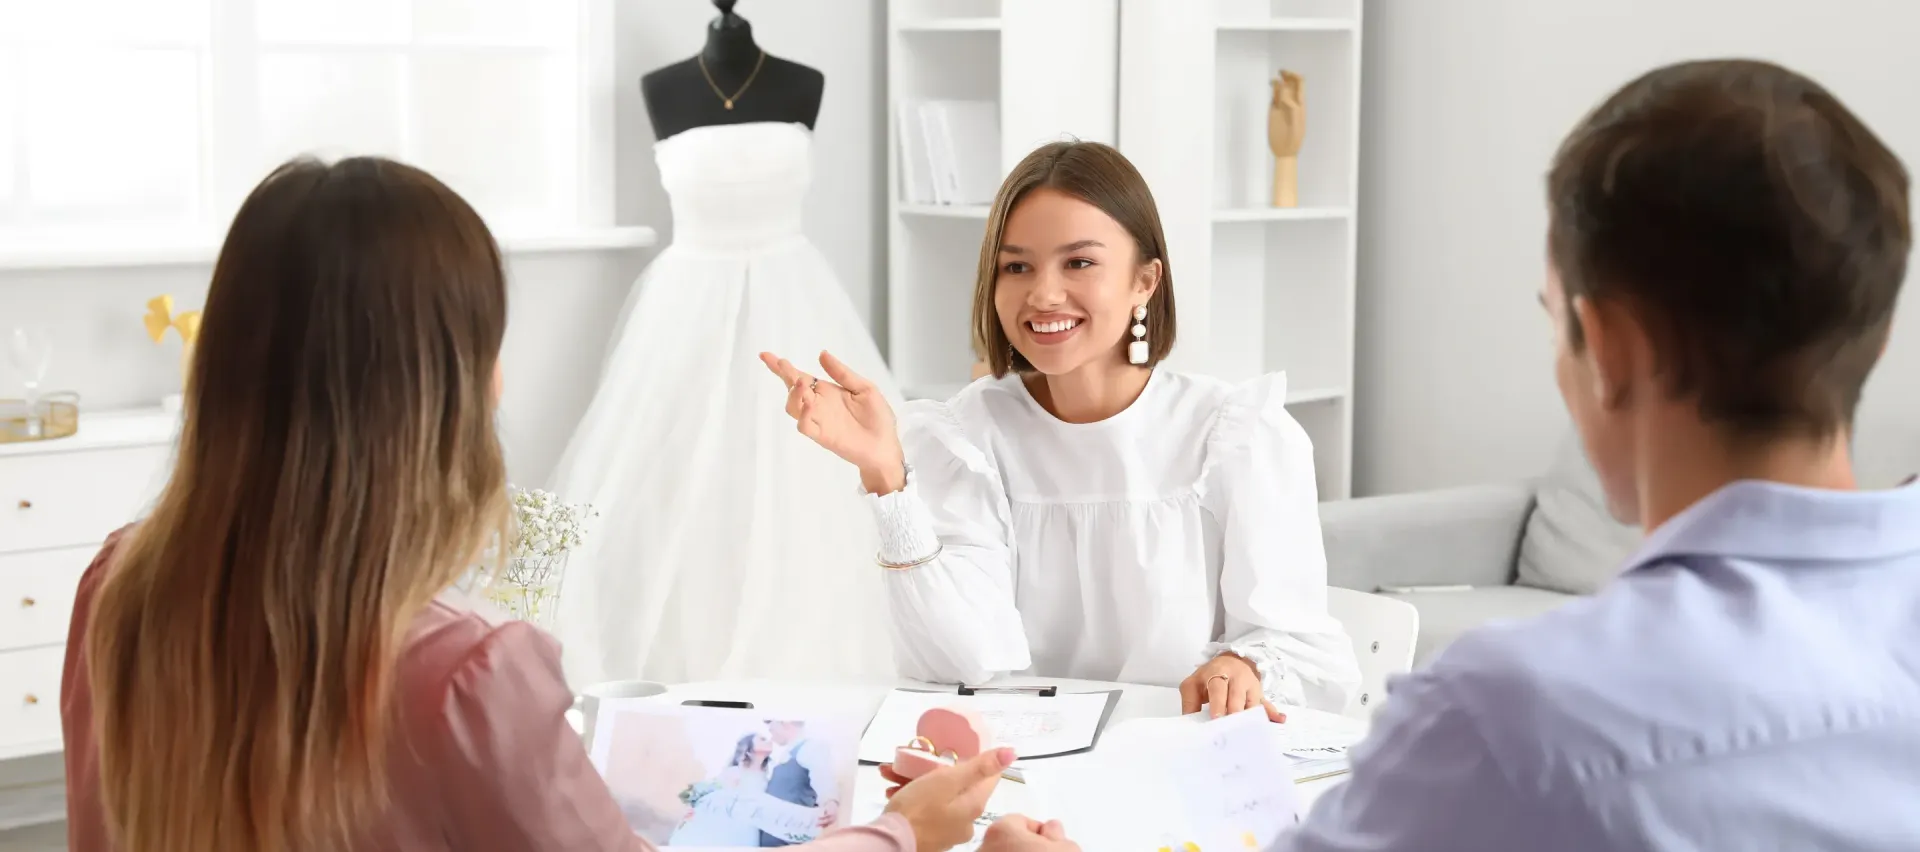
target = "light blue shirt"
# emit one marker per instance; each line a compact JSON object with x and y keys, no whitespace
{"x":1751,"y":681}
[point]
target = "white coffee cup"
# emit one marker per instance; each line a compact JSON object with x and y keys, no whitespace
{"x":588,"y":703}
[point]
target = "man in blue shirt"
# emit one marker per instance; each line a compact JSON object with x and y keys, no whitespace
{"x":1727,"y":243}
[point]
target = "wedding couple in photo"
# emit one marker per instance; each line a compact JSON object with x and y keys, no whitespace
{"x":778,"y":789}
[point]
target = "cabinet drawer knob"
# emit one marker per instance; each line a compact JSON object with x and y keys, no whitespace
{"x":26,"y":504}
{"x":32,"y":699}
{"x":27,"y":603}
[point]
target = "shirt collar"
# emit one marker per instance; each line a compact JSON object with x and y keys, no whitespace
{"x":1774,"y":522}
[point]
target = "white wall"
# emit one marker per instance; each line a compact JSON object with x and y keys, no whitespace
{"x":563,"y":305}
{"x":846,"y":41}
{"x":1465,"y":101}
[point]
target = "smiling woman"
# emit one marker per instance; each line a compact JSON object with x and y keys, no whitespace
{"x":1082,"y":512}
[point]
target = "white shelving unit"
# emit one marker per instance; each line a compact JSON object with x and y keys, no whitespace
{"x":1051,"y":66}
{"x":1261,"y":289}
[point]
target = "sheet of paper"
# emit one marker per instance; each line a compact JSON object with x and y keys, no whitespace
{"x":1307,"y":731}
{"x":1170,"y":785}
{"x":1032,"y":725}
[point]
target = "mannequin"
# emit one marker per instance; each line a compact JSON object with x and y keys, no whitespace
{"x":731,"y":81}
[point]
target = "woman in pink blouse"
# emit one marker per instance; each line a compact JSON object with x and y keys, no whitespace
{"x":270,"y":662}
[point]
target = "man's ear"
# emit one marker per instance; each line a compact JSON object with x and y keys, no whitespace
{"x":1615,"y":345}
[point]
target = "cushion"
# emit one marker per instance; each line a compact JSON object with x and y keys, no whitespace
{"x":1572,"y":544}
{"x":1444,"y":615}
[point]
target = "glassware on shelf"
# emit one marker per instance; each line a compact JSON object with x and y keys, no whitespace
{"x":30,"y":352}
{"x":56,"y":415}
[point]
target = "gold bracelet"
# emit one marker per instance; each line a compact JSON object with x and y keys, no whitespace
{"x":908,"y":566}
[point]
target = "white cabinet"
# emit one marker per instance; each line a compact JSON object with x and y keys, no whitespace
{"x":58,"y":500}
{"x":1180,"y":87}
{"x":1261,"y":288}
{"x":1048,"y":66}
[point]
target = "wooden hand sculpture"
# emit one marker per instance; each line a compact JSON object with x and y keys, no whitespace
{"x":1286,"y":128}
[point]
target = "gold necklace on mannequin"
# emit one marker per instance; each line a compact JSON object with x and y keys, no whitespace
{"x":724,"y":98}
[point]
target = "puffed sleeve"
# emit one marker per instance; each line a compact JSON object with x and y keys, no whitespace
{"x":516,"y":775}
{"x":1259,"y":485}
{"x":954,"y":618}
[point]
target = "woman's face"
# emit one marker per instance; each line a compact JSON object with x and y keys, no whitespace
{"x":762,"y":746}
{"x":1068,"y":281}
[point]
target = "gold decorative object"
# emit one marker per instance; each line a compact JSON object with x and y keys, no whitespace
{"x":160,"y":317}
{"x":1286,"y":129}
{"x":59,"y":417}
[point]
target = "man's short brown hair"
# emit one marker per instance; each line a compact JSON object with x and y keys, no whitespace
{"x":1753,"y":222}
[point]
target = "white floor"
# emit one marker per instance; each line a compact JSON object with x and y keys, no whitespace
{"x":39,"y":838}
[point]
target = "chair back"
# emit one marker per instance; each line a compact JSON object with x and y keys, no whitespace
{"x":1383,"y":631}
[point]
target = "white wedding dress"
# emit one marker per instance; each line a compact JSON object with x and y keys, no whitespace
{"x":728,"y":545}
{"x":710,"y":829}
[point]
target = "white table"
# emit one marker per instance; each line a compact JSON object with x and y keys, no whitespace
{"x":1136,"y":702}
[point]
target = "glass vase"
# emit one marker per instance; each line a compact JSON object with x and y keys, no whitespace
{"x":528,"y":588}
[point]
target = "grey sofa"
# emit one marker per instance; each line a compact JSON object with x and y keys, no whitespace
{"x":1521,"y":548}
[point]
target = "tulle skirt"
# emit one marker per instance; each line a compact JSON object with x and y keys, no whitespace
{"x":728,"y":545}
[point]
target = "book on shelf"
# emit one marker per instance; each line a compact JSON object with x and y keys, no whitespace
{"x":950,"y":151}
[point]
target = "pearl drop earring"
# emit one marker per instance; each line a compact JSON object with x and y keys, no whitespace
{"x":1137,"y":350}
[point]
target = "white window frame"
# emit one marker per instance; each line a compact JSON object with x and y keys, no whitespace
{"x":229,"y":139}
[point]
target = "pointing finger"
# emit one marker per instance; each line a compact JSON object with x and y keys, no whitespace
{"x":779,"y":366}
{"x":844,"y":375}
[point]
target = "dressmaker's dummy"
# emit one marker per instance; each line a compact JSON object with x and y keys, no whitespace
{"x":731,"y":81}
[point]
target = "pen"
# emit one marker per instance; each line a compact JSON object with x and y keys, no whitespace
{"x":1321,"y":776}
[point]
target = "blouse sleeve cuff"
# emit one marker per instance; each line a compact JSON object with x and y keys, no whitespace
{"x":1266,"y":661}
{"x":905,"y":525}
{"x":890,"y":833}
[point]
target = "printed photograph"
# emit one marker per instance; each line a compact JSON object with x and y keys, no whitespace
{"x":695,"y":777}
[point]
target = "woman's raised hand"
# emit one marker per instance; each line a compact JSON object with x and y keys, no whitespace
{"x":848,"y":416}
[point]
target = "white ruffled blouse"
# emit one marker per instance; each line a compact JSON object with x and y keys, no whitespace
{"x":1132,"y":550}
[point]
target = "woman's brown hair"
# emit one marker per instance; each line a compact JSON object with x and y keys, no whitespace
{"x":1100,"y":176}
{"x":337,"y":468}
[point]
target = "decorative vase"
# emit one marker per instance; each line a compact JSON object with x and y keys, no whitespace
{"x":529,"y":588}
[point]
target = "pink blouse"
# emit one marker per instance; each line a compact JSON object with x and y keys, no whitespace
{"x":483,"y":757}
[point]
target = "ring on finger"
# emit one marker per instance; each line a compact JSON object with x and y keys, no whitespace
{"x":1219,"y":677}
{"x":814,"y":386}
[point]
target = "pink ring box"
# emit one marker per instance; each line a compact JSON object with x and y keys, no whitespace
{"x":945,"y":736}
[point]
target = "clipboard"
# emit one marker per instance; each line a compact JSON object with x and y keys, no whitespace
{"x":891,"y":723}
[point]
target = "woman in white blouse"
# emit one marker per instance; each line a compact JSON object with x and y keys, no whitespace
{"x":1083,"y":513}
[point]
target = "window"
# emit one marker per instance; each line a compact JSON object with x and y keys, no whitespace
{"x":140,"y":116}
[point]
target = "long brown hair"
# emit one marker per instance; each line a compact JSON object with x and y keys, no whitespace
{"x":1104,"y":178}
{"x":338,"y":467}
